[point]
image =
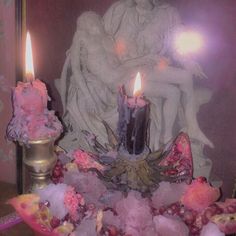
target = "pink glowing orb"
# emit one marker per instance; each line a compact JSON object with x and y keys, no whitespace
{"x":188,"y":42}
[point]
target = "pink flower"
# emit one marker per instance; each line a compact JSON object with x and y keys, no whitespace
{"x":72,"y":200}
{"x":85,"y":161}
{"x":199,"y":195}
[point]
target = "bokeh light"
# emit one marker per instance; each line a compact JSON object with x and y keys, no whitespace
{"x":188,"y":42}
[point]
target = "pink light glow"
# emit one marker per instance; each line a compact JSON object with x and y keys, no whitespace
{"x":188,"y":42}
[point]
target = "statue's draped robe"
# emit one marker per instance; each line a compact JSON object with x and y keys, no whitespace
{"x":87,"y":101}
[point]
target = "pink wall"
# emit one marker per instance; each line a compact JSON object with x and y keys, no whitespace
{"x":52,"y":26}
{"x":7,"y":80}
{"x":216,"y":18}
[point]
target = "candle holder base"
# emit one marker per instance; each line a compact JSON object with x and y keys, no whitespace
{"x":144,"y":172}
{"x":39,"y":159}
{"x":137,"y":172}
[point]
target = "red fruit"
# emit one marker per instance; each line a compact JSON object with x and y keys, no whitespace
{"x":91,"y":206}
{"x":112,"y":230}
{"x":198,"y":222}
{"x":162,"y":210}
{"x":231,"y":209}
{"x":57,"y":167}
{"x":219,"y":211}
{"x":170,"y":211}
{"x":180,"y":157}
{"x":56,"y":173}
{"x":194,"y":230}
{"x":225,"y":222}
{"x":174,"y":207}
{"x":55,"y":222}
{"x":47,"y":203}
{"x":188,"y":217}
{"x":172,"y":172}
{"x":201,"y":179}
{"x":209,"y":212}
{"x":181,"y":211}
{"x":205,"y":220}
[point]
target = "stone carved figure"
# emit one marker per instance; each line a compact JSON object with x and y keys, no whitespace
{"x":90,"y":78}
{"x":147,"y":30}
{"x":137,"y":36}
{"x":88,"y":95}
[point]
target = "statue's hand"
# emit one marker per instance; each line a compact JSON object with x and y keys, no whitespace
{"x":196,"y":70}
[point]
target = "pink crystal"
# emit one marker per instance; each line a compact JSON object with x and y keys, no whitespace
{"x":86,"y":228}
{"x":87,"y":184}
{"x":167,"y":193}
{"x":169,"y":227}
{"x":211,"y":230}
{"x":109,"y":218}
{"x":134,"y":213}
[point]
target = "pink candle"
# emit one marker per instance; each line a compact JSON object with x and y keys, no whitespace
{"x":30,"y":97}
{"x":31,"y":118}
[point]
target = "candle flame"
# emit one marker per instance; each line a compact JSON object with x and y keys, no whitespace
{"x":29,"y":66}
{"x":137,"y":85}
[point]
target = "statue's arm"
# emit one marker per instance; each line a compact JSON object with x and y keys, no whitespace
{"x":142,"y":60}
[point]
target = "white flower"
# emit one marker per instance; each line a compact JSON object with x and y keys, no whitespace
{"x":54,"y":194}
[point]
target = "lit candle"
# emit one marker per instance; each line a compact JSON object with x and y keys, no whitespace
{"x":31,"y":95}
{"x":31,"y":119}
{"x":133,"y":119}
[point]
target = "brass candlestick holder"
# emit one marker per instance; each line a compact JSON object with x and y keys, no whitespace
{"x":39,"y":159}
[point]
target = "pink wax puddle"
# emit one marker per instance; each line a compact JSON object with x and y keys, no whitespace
{"x":31,"y":119}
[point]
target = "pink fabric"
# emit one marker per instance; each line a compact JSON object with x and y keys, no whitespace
{"x":9,"y":221}
{"x":7,"y":80}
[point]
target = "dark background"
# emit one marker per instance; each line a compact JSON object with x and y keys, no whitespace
{"x":52,"y":25}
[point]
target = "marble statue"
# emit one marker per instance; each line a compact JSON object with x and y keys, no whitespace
{"x":107,"y":52}
{"x":89,"y":93}
{"x":146,"y":30}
